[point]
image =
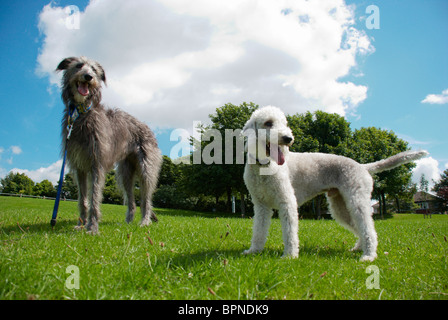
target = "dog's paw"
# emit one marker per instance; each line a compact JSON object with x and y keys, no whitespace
{"x":290,"y":256}
{"x":92,"y":228}
{"x":145,"y":222}
{"x":250,"y":251}
{"x":367,"y":258}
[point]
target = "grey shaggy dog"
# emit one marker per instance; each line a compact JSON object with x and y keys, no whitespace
{"x":101,"y":138}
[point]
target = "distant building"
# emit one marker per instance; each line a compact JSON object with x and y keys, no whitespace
{"x":428,"y":203}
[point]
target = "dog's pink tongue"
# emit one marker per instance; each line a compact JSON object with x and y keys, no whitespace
{"x":83,"y":89}
{"x":280,"y":157}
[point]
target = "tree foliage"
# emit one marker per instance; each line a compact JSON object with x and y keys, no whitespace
{"x":220,"y":177}
{"x":318,"y":131}
{"x":441,"y":188}
{"x":17,"y":183}
{"x":44,"y":189}
{"x":69,"y":187}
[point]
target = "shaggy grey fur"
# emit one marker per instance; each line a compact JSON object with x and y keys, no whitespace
{"x":103,"y":137}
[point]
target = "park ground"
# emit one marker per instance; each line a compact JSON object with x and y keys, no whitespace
{"x":197,"y":256}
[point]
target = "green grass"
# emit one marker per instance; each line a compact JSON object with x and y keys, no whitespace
{"x":197,"y":256}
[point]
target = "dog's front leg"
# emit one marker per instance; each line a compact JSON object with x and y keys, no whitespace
{"x":290,"y":226}
{"x":262,"y":221}
{"x":83,"y":201}
{"x":97,"y":184}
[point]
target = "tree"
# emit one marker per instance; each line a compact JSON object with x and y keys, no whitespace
{"x":404,"y":200}
{"x":318,"y":131}
{"x":231,"y":119}
{"x":424,"y":184}
{"x":44,"y":189}
{"x":17,"y":183}
{"x":111,"y":193}
{"x":69,"y":187}
{"x":441,"y":188}
{"x":220,"y":178}
{"x":170,"y":173}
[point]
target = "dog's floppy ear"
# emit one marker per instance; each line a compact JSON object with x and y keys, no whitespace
{"x":249,"y":132}
{"x":249,"y":127}
{"x":63,"y":65}
{"x":102,"y":74}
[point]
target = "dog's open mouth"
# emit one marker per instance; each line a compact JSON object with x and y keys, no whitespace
{"x":277,"y":154}
{"x":83,"y":88}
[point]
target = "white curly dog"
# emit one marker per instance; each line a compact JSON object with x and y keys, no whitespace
{"x":283,"y":180}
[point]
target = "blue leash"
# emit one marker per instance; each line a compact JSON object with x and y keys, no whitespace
{"x":73,"y":115}
{"x":58,"y":195}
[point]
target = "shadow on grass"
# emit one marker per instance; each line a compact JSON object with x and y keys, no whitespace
{"x":223,"y":254}
{"x":187,"y":213}
{"x":62,"y":226}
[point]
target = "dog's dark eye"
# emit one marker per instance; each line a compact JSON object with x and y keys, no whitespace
{"x":269,"y":123}
{"x":79,"y":65}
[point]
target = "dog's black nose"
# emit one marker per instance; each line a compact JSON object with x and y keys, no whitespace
{"x":88,"y":77}
{"x":287,"y":139}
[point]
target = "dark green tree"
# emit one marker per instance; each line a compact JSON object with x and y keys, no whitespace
{"x":170,"y":173}
{"x":224,"y":175}
{"x":229,"y":120}
{"x":441,"y":189}
{"x":17,"y":183}
{"x":111,"y":192}
{"x":44,"y":189}
{"x":318,"y":131}
{"x":69,"y":187}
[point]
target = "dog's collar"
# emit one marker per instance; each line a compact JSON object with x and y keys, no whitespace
{"x":74,"y":111}
{"x":80,"y":107}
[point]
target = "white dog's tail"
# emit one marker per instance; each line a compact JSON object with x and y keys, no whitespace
{"x":395,"y":161}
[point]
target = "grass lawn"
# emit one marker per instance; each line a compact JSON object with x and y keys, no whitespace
{"x":189,"y":255}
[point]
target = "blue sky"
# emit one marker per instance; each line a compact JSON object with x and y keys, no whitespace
{"x":197,"y":65}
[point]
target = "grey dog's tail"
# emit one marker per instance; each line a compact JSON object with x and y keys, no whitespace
{"x":395,"y":161}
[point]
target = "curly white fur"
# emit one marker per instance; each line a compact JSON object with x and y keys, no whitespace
{"x":283,"y":180}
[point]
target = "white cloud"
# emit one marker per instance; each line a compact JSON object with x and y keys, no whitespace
{"x":430,"y":168}
{"x":12,"y":150}
{"x":16,"y":150}
{"x":50,"y":173}
{"x":437,"y":98}
{"x":171,"y":62}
